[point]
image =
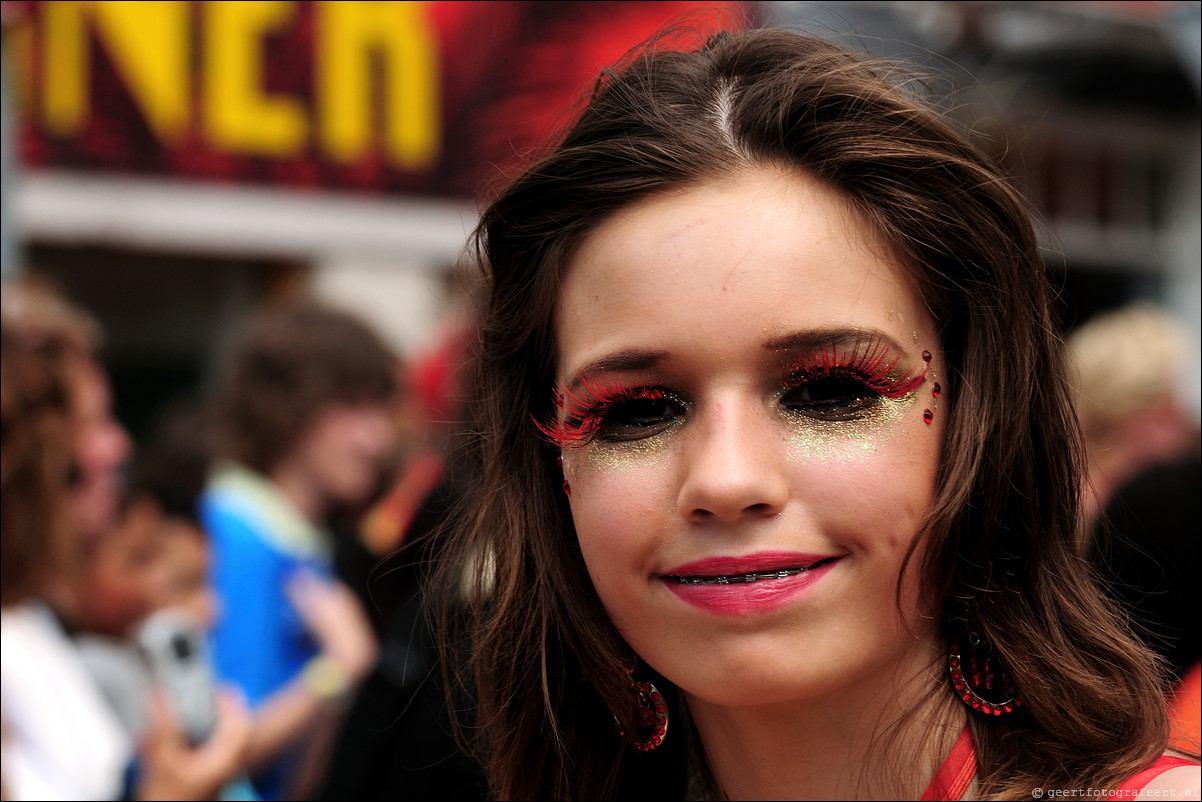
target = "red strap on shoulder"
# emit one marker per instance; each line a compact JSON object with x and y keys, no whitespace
{"x":1166,"y":762}
{"x":957,"y":771}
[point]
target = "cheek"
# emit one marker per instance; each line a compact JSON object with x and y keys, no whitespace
{"x":621,"y":506}
{"x":117,"y":598}
{"x":380,"y":436}
{"x":871,"y":482}
{"x":363,"y":442}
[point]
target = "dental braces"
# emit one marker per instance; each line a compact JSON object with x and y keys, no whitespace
{"x":731,"y":579}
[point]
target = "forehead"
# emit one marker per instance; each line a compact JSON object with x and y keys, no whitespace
{"x":747,"y":258}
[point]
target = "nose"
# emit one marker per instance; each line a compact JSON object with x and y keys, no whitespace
{"x":120,"y":446}
{"x":376,"y":431}
{"x":733,"y":465}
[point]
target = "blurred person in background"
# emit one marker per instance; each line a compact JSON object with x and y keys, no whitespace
{"x":41,"y":758}
{"x":397,"y":740}
{"x":1142,"y":443}
{"x":118,"y":582}
{"x":156,"y":558}
{"x":172,"y":473}
{"x":34,"y":464}
{"x":100,"y":446}
{"x":1129,"y":365}
{"x":304,"y":425}
{"x":62,"y":456}
{"x":154,"y":580}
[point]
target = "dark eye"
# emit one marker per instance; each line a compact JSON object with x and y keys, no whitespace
{"x":636,"y":418}
{"x":830,"y":396}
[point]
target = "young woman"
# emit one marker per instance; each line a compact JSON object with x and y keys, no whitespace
{"x":779,"y":478}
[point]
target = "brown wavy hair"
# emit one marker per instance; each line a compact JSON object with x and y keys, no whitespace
{"x":290,"y":363}
{"x":35,"y":455}
{"x":1002,"y":532}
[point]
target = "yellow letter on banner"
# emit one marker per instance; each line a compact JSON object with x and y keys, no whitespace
{"x":238,"y":116}
{"x":347,"y":33}
{"x":148,"y":44}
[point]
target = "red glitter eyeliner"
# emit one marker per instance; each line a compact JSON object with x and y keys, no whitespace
{"x":580,"y":410}
{"x":872,"y":361}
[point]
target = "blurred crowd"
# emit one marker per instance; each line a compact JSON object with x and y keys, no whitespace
{"x":211,"y":615}
{"x":1129,"y":368}
{"x":234,"y":610}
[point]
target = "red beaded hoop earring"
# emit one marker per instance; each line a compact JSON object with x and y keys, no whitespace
{"x":981,"y":679}
{"x":651,"y":713}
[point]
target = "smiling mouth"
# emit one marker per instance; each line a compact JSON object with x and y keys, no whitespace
{"x":753,"y":576}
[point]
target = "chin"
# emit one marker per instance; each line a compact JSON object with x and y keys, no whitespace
{"x":759,"y":687}
{"x":777,"y":672}
{"x":355,"y":493}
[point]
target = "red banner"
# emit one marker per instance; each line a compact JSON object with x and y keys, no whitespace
{"x":398,"y":97}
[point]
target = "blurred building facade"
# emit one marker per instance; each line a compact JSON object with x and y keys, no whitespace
{"x":174,"y":165}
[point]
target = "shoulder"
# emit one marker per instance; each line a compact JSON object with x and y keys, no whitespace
{"x":1175,"y":780}
{"x":236,"y":529}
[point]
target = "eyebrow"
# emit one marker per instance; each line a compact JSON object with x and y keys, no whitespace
{"x":812,"y":340}
{"x":634,"y":359}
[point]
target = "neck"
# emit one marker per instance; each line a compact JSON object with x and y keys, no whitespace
{"x":61,"y":598}
{"x":302,"y":490}
{"x":879,"y":738}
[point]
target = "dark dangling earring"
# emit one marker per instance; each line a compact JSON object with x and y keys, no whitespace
{"x":980,"y":677}
{"x":651,"y":715}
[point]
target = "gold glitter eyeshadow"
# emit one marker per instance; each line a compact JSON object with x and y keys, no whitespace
{"x":622,"y":455}
{"x":845,"y":439}
{"x":843,"y":395}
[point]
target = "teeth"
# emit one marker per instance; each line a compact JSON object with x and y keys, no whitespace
{"x":735,"y":578}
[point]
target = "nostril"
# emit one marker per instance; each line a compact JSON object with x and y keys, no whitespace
{"x":760,"y":509}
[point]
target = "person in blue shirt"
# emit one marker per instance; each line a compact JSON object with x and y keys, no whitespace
{"x":304,"y":425}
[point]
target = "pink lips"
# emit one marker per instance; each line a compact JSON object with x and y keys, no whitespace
{"x":748,"y":585}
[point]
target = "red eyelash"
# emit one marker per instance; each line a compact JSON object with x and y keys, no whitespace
{"x":580,"y":412}
{"x":873,"y":362}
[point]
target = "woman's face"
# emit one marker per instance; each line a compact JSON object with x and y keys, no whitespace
{"x":123,"y":576}
{"x":343,"y":450}
{"x":187,"y":565}
{"x":101,"y":449}
{"x":750,"y":421}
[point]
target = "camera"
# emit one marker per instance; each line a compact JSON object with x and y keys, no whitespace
{"x":176,"y":648}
